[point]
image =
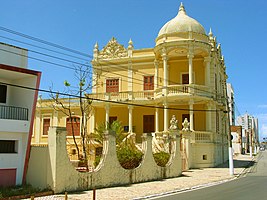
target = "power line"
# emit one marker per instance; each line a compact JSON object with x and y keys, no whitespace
{"x":43,"y":48}
{"x":42,"y":41}
{"x":73,"y":68}
{"x":106,"y":101}
{"x":78,"y":52}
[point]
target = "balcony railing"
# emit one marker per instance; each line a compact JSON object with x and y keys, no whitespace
{"x":172,"y":90}
{"x":202,"y":137}
{"x":14,"y":113}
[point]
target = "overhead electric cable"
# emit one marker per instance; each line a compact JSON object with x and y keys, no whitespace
{"x":103,"y":100}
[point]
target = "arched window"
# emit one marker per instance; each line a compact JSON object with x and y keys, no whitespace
{"x":73,"y":122}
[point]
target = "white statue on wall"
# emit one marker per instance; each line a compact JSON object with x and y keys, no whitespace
{"x":174,"y":123}
{"x":186,"y":125}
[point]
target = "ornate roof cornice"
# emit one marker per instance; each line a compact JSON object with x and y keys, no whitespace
{"x":112,"y":50}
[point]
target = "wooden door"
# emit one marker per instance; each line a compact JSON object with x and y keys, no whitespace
{"x":185,"y":81}
{"x":148,"y":123}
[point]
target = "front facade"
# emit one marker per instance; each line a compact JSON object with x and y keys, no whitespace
{"x":17,"y":107}
{"x":183,"y":75}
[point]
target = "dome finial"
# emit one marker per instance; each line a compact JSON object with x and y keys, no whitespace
{"x":210,"y":33}
{"x":181,"y":8}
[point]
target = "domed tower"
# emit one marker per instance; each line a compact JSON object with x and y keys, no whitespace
{"x":182,"y":38}
{"x":190,"y":73}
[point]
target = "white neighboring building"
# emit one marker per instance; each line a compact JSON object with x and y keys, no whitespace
{"x":17,"y":107}
{"x":231,"y":103}
{"x":250,"y":131}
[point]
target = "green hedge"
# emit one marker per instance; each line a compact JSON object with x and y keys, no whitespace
{"x":129,"y":158}
{"x":161,"y":158}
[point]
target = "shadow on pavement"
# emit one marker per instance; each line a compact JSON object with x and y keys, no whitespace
{"x":238,"y":164}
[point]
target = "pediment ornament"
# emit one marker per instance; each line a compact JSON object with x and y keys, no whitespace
{"x":112,"y":50}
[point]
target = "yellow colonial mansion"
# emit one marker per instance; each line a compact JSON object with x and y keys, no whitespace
{"x":182,"y":75}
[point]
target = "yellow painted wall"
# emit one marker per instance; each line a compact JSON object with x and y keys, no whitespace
{"x":176,"y":69}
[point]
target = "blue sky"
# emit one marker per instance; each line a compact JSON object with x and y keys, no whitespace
{"x":239,"y":26}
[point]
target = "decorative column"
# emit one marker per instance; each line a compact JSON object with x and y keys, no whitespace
{"x":107,"y":107}
{"x":166,"y":117}
{"x":156,"y":64}
{"x":92,"y":121}
{"x":207,"y":65}
{"x":208,"y":117}
{"x":130,"y":80}
{"x":157,"y":120}
{"x":165,"y":71}
{"x":191,"y":112}
{"x":130,"y":70}
{"x":190,"y":57}
{"x":94,"y":80}
{"x":130,"y":108}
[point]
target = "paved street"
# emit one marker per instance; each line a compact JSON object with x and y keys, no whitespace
{"x":189,"y":180}
{"x":251,"y":186}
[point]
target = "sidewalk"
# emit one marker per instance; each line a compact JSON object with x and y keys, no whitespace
{"x":191,"y":179}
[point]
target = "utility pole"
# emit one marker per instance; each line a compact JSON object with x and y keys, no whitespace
{"x":250,"y":143}
{"x":230,"y":148}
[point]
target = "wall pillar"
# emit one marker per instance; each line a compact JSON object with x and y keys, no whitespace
{"x":38,"y":130}
{"x":55,"y":118}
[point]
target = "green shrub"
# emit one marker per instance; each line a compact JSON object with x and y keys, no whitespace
{"x":19,"y":190}
{"x":97,"y":160}
{"x":161,"y":158}
{"x":129,"y":158}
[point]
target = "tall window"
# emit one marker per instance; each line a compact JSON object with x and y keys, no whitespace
{"x":46,"y":125}
{"x":148,"y":82}
{"x":185,"y":81}
{"x":74,"y":123}
{"x":3,"y":92}
{"x":112,"y":85}
{"x":112,"y":119}
{"x":185,"y":78}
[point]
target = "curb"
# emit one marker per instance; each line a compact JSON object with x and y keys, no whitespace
{"x":242,"y":173}
{"x":185,"y":189}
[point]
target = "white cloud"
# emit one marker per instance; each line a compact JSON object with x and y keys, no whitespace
{"x":262,"y":124}
{"x":262,"y":106}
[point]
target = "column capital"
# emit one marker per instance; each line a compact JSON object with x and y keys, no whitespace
{"x":156,"y":62}
{"x":191,"y":101}
{"x":207,"y":59}
{"x":165,"y":104}
{"x":190,"y":55}
{"x":164,"y":54}
{"x":130,"y":107}
{"x":107,"y":106}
